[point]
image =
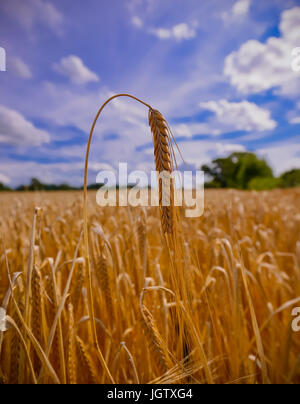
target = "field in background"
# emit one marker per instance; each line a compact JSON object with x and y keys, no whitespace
{"x":241,"y":267}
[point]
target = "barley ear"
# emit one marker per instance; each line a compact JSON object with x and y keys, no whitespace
{"x":36,"y":312}
{"x":155,"y":340}
{"x":103,"y":275}
{"x":88,"y":367}
{"x":164,"y":167}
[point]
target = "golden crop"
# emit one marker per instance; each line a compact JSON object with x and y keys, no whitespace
{"x":214,"y":307}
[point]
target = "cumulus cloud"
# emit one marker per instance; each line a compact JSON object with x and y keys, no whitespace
{"x":100,"y":167}
{"x":192,"y":129}
{"x":16,"y":130}
{"x":30,"y":12}
{"x":225,"y":149}
{"x":241,"y":7}
{"x":179,"y":32}
{"x":258,"y":66}
{"x":20,"y":68}
{"x":73,"y":67}
{"x":239,"y":10}
{"x":243,"y":115}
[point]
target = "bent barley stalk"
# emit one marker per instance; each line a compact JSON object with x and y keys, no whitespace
{"x":162,"y":143}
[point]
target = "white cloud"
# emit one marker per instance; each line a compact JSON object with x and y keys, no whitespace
{"x":183,"y":31}
{"x":137,"y":22}
{"x":20,"y":68}
{"x":225,"y":149}
{"x":241,"y":115}
{"x":73,"y":68}
{"x":30,"y":12}
{"x":100,"y":167}
{"x":16,"y":130}
{"x":179,"y":32}
{"x":239,"y":10}
{"x":258,"y":66}
{"x":192,"y":129}
{"x":201,"y":152}
{"x":123,"y":117}
{"x":241,"y":7}
{"x":4,"y":179}
{"x":161,"y":33}
{"x":289,"y":24}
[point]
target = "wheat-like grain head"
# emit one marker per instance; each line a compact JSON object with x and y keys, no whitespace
{"x":155,"y":340}
{"x":164,"y":166}
{"x":36,"y":313}
{"x":89,"y":373}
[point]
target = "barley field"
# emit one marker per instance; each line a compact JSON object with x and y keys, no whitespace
{"x":213,"y":306}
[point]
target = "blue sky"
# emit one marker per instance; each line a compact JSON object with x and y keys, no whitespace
{"x":219,"y":70}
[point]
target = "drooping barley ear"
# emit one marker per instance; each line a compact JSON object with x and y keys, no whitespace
{"x":36,"y":312}
{"x":71,"y":357}
{"x":155,"y":340}
{"x":88,"y":367}
{"x":164,"y":167}
{"x":103,"y":275}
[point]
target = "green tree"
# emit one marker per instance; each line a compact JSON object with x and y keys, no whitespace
{"x":290,"y":179}
{"x":264,"y":184}
{"x":36,"y":185}
{"x":237,"y":170}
